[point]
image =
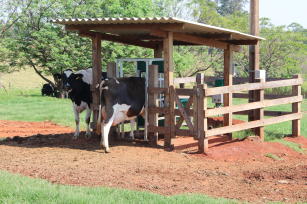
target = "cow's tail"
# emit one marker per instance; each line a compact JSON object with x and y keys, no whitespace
{"x":98,"y":126}
{"x":99,"y":120}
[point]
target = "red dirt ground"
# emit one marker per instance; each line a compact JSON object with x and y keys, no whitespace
{"x":232,"y":169}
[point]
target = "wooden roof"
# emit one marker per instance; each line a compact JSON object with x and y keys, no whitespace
{"x":149,"y":32}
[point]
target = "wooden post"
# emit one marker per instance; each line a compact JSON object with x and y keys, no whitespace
{"x":196,"y":101}
{"x":172,"y":111}
{"x":158,"y":51}
{"x":296,"y":108}
{"x":111,"y":69}
{"x":201,"y":120}
{"x":199,"y":78}
{"x":228,"y":62}
{"x":254,"y":57}
{"x":96,"y":60}
{"x":259,"y":113}
{"x":152,"y":101}
{"x":195,"y":112}
{"x":168,"y":81}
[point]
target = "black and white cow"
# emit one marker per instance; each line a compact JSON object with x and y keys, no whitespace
{"x":78,"y":86}
{"x":47,"y":90}
{"x":121,"y":99}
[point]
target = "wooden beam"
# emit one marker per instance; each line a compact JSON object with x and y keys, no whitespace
{"x":253,"y":105}
{"x":183,"y":112}
{"x":253,"y":124}
{"x":119,"y":39}
{"x":252,"y":86}
{"x":218,"y":36}
{"x":242,"y":42}
{"x":196,"y":40}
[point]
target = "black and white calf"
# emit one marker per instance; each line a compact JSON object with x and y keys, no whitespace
{"x":78,"y":87}
{"x":121,"y":99}
{"x":47,"y":90}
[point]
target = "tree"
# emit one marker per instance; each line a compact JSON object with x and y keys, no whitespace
{"x":48,"y":48}
{"x":228,"y":7}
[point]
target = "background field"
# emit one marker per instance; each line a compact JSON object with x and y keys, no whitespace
{"x":23,"y":102}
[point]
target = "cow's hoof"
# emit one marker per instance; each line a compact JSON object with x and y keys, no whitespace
{"x":88,"y":135}
{"x":75,"y":137}
{"x":107,"y":150}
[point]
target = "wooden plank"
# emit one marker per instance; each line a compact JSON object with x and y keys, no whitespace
{"x":161,"y":110}
{"x":181,"y":132}
{"x":254,"y":105}
{"x":196,"y":40}
{"x":185,"y":92}
{"x":189,"y":111}
{"x":266,"y":96}
{"x":119,"y":39}
{"x":96,"y":60}
{"x":253,"y":124}
{"x":266,"y":113}
{"x":243,"y":42}
{"x":228,"y":62}
{"x":296,"y":108}
{"x":158,"y":129}
{"x":252,"y":86}
{"x":182,"y":111}
{"x":155,"y":90}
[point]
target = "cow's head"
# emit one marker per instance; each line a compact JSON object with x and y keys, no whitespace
{"x":70,"y":80}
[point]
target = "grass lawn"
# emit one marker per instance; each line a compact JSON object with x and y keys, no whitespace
{"x":20,"y":189}
{"x":30,"y":106}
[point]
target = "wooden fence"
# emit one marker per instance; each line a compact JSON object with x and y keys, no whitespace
{"x":195,"y":112}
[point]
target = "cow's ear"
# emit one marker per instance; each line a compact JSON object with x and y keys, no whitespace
{"x":57,"y":76}
{"x":78,"y":76}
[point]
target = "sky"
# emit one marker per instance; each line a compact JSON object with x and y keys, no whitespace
{"x":284,"y":12}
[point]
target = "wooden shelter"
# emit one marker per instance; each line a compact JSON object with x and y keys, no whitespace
{"x":161,"y":34}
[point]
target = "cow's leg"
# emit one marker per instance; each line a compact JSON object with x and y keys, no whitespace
{"x":122,"y":130}
{"x":77,"y":120}
{"x":132,"y":125}
{"x":87,"y":120}
{"x":105,"y":129}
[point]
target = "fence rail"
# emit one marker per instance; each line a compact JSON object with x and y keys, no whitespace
{"x":195,"y":112}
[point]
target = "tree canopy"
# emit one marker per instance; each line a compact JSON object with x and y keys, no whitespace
{"x":27,"y":38}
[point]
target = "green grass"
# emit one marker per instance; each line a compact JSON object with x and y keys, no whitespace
{"x":296,"y":147}
{"x":29,"y":105}
{"x":273,"y":156}
{"x":19,"y":189}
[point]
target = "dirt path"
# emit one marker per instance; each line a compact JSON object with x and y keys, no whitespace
{"x":237,"y":169}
